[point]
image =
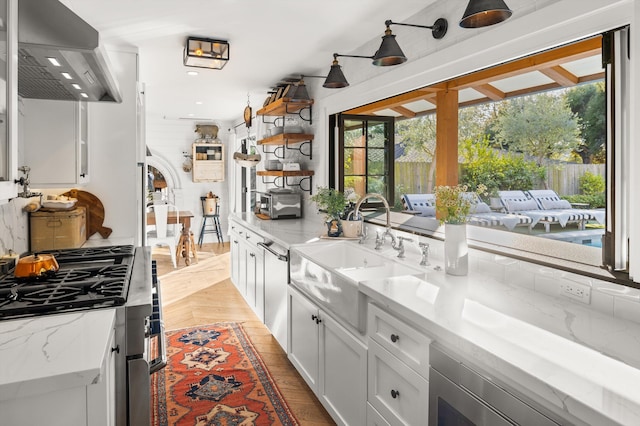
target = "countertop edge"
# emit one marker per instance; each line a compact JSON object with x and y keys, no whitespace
{"x":69,"y":350}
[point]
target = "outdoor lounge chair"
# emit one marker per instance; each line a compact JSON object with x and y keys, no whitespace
{"x":482,"y":215}
{"x":423,"y":203}
{"x":548,"y":199}
{"x":519,"y":202}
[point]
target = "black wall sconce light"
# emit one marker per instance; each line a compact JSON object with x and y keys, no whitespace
{"x":336,"y":79}
{"x":482,"y":13}
{"x":390,"y":53}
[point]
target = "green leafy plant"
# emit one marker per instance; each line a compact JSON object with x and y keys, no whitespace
{"x":591,"y":184}
{"x":595,"y":201}
{"x":330,"y":201}
{"x":452,"y":206}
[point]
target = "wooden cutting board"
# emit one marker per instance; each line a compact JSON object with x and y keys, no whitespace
{"x":95,"y":212}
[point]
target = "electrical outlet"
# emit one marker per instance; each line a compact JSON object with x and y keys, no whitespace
{"x":576,"y":291}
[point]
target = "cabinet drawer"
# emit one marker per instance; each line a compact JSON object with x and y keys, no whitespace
{"x":374,"y":418}
{"x":402,"y":340}
{"x":397,"y":392}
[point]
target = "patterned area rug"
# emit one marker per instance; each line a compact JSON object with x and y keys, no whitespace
{"x":214,"y":376}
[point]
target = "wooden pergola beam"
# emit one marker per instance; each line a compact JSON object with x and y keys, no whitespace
{"x":405,"y":112}
{"x":400,"y":100}
{"x":490,"y":92}
{"x":447,"y":138}
{"x":560,"y":76}
{"x":544,"y":60}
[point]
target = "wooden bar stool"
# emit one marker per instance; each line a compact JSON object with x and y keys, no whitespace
{"x":186,"y":247}
{"x":210,"y":223}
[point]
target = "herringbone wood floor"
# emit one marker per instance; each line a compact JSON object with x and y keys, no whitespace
{"x":195,"y":295}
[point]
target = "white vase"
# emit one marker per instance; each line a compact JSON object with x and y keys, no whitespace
{"x":456,"y":251}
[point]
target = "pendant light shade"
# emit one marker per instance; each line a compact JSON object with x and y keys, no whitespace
{"x":300,"y":93}
{"x":389,"y":52}
{"x":335,"y":78}
{"x":482,"y":13}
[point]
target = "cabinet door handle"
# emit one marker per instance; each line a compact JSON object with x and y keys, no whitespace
{"x":395,"y":338}
{"x":235,"y":241}
{"x":316,"y":319}
{"x":395,"y":394}
{"x":252,"y":254}
{"x":82,"y":175}
{"x":116,"y":349}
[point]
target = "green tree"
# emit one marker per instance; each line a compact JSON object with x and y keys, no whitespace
{"x":588,"y":103}
{"x":419,"y":135}
{"x":541,"y":126}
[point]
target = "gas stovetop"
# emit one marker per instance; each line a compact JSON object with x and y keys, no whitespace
{"x":94,"y":277}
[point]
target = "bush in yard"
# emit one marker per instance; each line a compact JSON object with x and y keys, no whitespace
{"x":595,"y":201}
{"x":591,"y":184}
{"x":497,"y":171}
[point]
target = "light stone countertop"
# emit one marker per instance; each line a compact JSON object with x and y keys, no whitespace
{"x":562,"y":354}
{"x":46,"y":353}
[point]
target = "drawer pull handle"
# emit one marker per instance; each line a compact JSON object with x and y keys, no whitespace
{"x":394,"y":394}
{"x":395,"y":338}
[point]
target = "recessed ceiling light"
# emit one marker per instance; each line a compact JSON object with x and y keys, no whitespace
{"x":66,"y":75}
{"x":192,"y":72}
{"x":84,"y":95}
{"x":54,"y":62}
{"x":190,"y":115}
{"x":76,"y":86}
{"x":198,"y":102}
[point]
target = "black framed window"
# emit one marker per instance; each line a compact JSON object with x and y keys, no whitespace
{"x":366,"y":155}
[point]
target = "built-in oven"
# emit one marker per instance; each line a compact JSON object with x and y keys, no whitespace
{"x":463,"y":395}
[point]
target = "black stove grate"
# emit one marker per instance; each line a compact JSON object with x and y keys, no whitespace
{"x":88,"y":278}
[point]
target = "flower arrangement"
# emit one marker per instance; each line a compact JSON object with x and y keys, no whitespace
{"x":452,"y":206}
{"x":330,"y":201}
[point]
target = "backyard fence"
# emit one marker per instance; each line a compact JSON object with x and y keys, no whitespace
{"x":411,"y":177}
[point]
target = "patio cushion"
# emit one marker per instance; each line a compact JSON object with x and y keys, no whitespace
{"x":555,"y":204}
{"x":521,"y":205}
{"x":480,"y":207}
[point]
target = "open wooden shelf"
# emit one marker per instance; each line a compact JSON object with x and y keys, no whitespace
{"x":284,"y":106}
{"x":285,"y":138}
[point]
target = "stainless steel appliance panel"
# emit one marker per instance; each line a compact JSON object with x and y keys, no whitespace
{"x":461,"y":395}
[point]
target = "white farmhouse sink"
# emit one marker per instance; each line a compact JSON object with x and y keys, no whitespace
{"x":329,"y":272}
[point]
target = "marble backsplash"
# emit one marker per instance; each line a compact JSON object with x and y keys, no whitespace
{"x":14,"y":227}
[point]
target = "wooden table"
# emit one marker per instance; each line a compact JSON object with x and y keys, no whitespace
{"x":186,"y":245}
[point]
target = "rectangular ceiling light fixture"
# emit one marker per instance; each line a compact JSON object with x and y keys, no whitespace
{"x":206,"y":53}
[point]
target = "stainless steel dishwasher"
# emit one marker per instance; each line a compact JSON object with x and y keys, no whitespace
{"x":462,"y":395}
{"x":276,"y":279}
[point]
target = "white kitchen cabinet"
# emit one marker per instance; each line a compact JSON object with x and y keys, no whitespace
{"x":55,"y":142}
{"x":374,"y":418}
{"x":247,"y":267}
{"x":304,"y":346}
{"x":237,"y":263}
{"x":332,"y":361}
{"x":92,"y":405}
{"x":398,"y":369}
{"x":208,"y":162}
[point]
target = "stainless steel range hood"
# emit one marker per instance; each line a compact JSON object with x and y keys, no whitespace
{"x":49,"y":32}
